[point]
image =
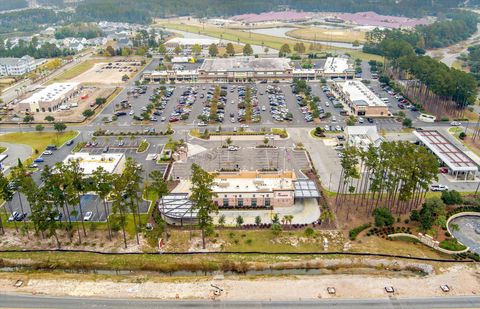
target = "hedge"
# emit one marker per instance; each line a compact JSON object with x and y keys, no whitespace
{"x":353,"y":233}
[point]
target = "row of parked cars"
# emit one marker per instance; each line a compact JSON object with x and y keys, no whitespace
{"x":278,"y":105}
{"x":184,"y":105}
{"x":48,"y":151}
{"x":222,"y":100}
{"x":254,"y":101}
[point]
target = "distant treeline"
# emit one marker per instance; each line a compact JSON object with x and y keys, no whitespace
{"x":23,"y":48}
{"x":30,"y":20}
{"x":458,"y":26}
{"x":6,"y":5}
{"x":130,"y":11}
{"x":79,"y":30}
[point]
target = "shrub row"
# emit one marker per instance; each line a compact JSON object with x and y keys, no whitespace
{"x":384,"y":232}
{"x":353,"y":233}
{"x":136,"y":133}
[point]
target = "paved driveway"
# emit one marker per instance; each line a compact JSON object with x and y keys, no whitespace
{"x":15,"y":152}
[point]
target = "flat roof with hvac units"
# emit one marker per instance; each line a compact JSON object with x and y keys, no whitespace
{"x":454,"y":158}
{"x":336,"y":65}
{"x":112,"y":163}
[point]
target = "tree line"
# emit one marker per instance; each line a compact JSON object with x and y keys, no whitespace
{"x":127,"y":11}
{"x":79,"y":30}
{"x":395,"y":175}
{"x":13,"y":5}
{"x":31,"y":20}
{"x":46,"y":50}
{"x":55,"y":205}
{"x":459,"y":26}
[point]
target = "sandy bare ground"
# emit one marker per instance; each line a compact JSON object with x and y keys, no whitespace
{"x":101,"y":74}
{"x":463,"y":280}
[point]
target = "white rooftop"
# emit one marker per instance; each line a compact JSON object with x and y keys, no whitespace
{"x":359,"y":94}
{"x":335,"y":65}
{"x":450,"y":154}
{"x":193,"y":41}
{"x":252,"y":184}
{"x":363,"y":136}
{"x":110,"y":162}
{"x":51,"y":93}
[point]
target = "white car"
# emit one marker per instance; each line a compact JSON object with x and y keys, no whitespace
{"x":455,"y":123}
{"x":244,"y":126}
{"x":233,"y":148}
{"x":264,"y":108}
{"x":47,"y":152}
{"x":438,"y":188}
{"x":232,"y":120}
{"x":88,"y":216}
{"x":202,"y":124}
{"x":131,"y":112}
{"x":327,"y":104}
{"x":334,"y":119}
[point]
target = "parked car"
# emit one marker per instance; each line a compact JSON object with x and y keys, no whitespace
{"x":47,"y":152}
{"x":33,"y":165}
{"x":88,"y":216}
{"x":13,"y":216}
{"x":455,"y":123}
{"x":39,"y":160}
{"x":233,"y":148}
{"x":438,"y":187}
{"x":70,"y":142}
{"x":51,"y":147}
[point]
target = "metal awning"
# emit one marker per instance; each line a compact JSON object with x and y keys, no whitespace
{"x":306,"y":188}
{"x":177,"y":206}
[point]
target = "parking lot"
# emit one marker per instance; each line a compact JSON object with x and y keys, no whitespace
{"x":246,"y":157}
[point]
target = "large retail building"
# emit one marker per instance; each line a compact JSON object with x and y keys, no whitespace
{"x":48,"y":99}
{"x":251,"y":69}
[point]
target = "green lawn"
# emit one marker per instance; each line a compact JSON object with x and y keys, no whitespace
{"x":2,"y":149}
{"x":38,"y":140}
{"x":257,"y":39}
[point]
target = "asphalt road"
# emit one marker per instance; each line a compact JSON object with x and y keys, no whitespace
{"x":28,"y":301}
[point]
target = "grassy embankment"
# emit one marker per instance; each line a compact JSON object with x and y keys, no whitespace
{"x":256,"y":38}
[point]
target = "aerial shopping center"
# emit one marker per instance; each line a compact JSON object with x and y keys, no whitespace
{"x":252,"y":69}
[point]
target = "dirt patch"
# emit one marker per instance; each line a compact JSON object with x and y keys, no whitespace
{"x":95,"y":241}
{"x":462,"y":279}
{"x":109,"y":72}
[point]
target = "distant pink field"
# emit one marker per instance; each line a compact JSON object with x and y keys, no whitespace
{"x":374,"y":19}
{"x":272,"y":16}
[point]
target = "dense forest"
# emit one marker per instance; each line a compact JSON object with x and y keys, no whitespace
{"x":473,"y":61}
{"x":13,"y":5}
{"x":459,"y":26}
{"x":79,"y":30}
{"x":30,"y":20}
{"x":23,"y":48}
{"x":129,"y":11}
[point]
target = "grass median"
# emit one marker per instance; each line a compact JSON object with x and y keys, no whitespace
{"x":38,"y":140}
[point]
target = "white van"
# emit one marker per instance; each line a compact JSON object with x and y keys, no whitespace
{"x":386,"y":100}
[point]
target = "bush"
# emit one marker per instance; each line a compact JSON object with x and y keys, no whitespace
{"x":451,"y":197}
{"x":452,"y":244}
{"x":462,"y":135}
{"x":383,"y":217}
{"x":353,"y":233}
{"x":309,"y":232}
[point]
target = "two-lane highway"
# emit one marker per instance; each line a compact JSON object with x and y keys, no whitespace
{"x":29,"y":301}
